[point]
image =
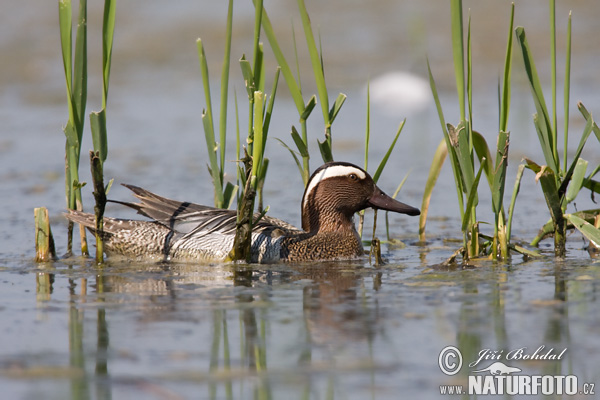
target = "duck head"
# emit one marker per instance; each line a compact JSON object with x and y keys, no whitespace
{"x":336,"y":191}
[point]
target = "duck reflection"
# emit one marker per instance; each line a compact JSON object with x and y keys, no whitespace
{"x":335,"y":304}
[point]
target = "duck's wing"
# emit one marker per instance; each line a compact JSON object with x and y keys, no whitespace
{"x":192,"y":219}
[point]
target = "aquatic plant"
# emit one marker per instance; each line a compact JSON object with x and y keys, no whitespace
{"x":75,"y":66}
{"x":252,"y":168}
{"x":559,"y":183}
{"x":224,"y":192}
{"x":464,"y":145}
{"x":98,"y":128}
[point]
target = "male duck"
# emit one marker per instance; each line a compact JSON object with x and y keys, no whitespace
{"x":188,"y":231}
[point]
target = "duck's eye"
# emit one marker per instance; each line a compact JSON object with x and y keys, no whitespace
{"x":353,"y":177}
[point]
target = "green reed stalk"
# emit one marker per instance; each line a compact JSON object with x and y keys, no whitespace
{"x":225,"y":192}
{"x":75,"y":67}
{"x":560,"y":186}
{"x":225,"y":89}
{"x":567,"y":94}
{"x":361,"y":214}
{"x":98,"y":128}
{"x":464,"y":144}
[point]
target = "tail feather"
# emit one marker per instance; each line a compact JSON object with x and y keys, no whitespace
{"x":79,"y":217}
{"x":160,"y":208}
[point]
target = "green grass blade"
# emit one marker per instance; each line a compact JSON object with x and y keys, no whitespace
{"x":99,"y":136}
{"x":453,"y":160}
{"x":211,"y":148}
{"x":337,"y":105}
{"x":288,"y":75}
{"x":458,"y":52}
{"x":302,"y":149}
{"x":209,"y":131}
{"x":547,"y":179}
{"x":588,"y":230}
{"x":584,"y":137}
{"x":505,"y":100}
{"x":567,"y":91}
{"x":315,"y":59}
{"x":108,"y":33}
{"x":207,"y":97}
{"x":553,"y":67}
{"x":66,"y":41}
{"x":271,"y":104}
{"x":472,"y":200}
{"x":229,"y":194}
{"x":592,"y":185}
{"x":293,"y":153}
{"x":485,"y":157}
{"x":513,"y":200}
{"x":500,"y":171}
{"x":80,"y":69}
{"x":459,"y":138}
{"x":388,"y":153}
{"x":588,"y":116}
{"x":312,"y":102}
{"x":225,"y":86}
{"x":258,"y":55}
{"x":368,"y":127}
{"x":546,"y":230}
{"x":541,"y":127}
{"x":248,"y":77}
{"x":258,"y":149}
{"x":469,"y":85}
{"x":434,"y":172}
{"x":326,"y":153}
{"x":543,"y":120}
{"x":576,"y":180}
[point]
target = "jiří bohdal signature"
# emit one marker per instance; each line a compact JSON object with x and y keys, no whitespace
{"x":518,"y":354}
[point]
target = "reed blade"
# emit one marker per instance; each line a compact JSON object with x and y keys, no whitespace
{"x":453,"y":160}
{"x":458,"y":53}
{"x":271,"y":103}
{"x":567,"y":92}
{"x":386,"y":157}
{"x":315,"y":60}
{"x":471,"y":201}
{"x":434,"y":172}
{"x":225,"y":86}
{"x":288,"y":75}
{"x":506,"y":92}
{"x":577,"y":179}
{"x":99,"y":134}
{"x":337,"y":106}
{"x":588,"y":230}
{"x":80,"y":70}
{"x":542,"y":120}
{"x":108,"y":33}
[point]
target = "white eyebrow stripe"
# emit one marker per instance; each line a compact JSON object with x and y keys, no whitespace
{"x":331,"y":172}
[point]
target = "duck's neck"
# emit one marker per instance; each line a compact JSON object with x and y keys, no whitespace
{"x":319,"y":219}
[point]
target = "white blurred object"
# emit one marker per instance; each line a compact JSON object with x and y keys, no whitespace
{"x":399,"y":93}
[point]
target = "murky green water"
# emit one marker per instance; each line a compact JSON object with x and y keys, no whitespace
{"x":71,"y":330}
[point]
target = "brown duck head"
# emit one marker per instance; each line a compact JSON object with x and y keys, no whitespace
{"x":336,"y":191}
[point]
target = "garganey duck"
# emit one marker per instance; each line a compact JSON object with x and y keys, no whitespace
{"x":188,"y":231}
